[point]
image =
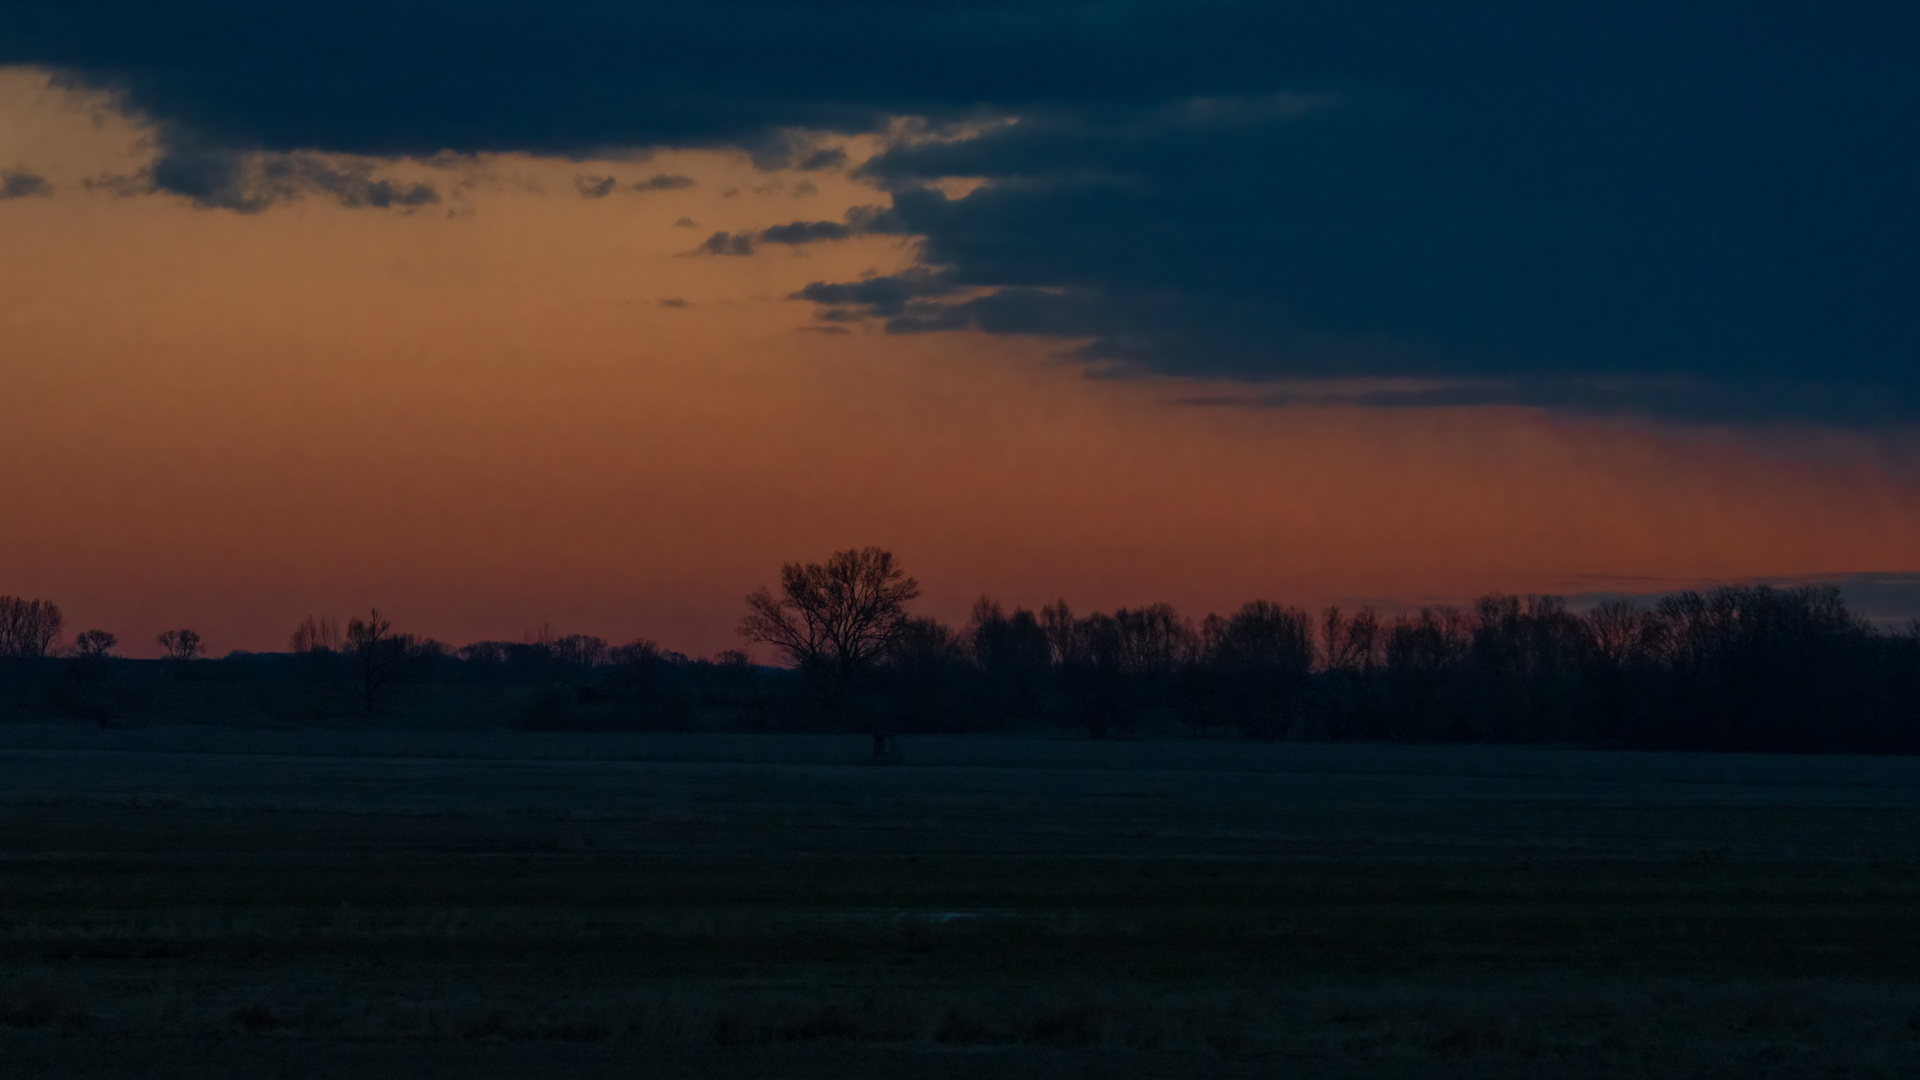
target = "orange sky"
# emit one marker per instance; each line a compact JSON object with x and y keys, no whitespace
{"x":481,"y":417}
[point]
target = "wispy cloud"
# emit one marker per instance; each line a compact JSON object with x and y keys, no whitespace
{"x":727,"y":243}
{"x":664,"y":182}
{"x":21,"y":183}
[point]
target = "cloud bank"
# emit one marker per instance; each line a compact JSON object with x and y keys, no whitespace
{"x":1702,"y":212}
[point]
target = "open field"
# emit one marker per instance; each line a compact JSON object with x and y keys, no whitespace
{"x":227,"y":903}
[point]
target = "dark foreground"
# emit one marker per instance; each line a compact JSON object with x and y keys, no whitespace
{"x":205,"y":903}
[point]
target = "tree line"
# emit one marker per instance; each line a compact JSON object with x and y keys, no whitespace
{"x":1731,"y":668}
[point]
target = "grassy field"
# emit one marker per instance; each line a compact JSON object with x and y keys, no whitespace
{"x":229,"y":903}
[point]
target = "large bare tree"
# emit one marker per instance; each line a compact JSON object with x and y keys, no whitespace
{"x":381,"y":656}
{"x":834,"y":618}
{"x":28,"y":628}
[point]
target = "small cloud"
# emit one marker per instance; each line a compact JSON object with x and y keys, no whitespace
{"x":674,"y":302}
{"x":830,"y":158}
{"x":732,"y":192}
{"x":886,"y":295}
{"x":821,"y":330}
{"x":120,"y":185}
{"x":593,"y":187}
{"x":805,"y":232}
{"x":251,"y":182}
{"x":686,"y":222}
{"x":804,"y":188}
{"x":18,"y":183}
{"x":664,"y":182}
{"x":860,"y":220}
{"x":726,"y":243}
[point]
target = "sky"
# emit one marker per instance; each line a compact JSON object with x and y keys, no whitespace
{"x":592,"y":316}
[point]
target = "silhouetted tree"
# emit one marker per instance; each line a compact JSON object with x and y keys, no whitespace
{"x":1770,"y":669}
{"x":1433,"y":641}
{"x":28,"y":628}
{"x":1003,"y":643}
{"x":653,"y":685}
{"x":1352,"y":645}
{"x":180,"y":645}
{"x":91,"y":650}
{"x":833,"y":619}
{"x":1262,"y":634}
{"x":1064,"y":636}
{"x":640,"y":652}
{"x":1419,"y":691}
{"x":485,"y":653}
{"x":1364,"y":640}
{"x":317,"y":635}
{"x":733,"y":683}
{"x":1125,"y":663}
{"x":381,"y":656}
{"x":1254,"y":669}
{"x":1014,"y":655}
{"x":582,"y":651}
{"x":921,"y":673}
{"x":1622,"y":632}
{"x":93,"y":644}
{"x":1153,"y":639}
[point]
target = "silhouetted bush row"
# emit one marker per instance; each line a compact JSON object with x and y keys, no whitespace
{"x":1746,"y":668}
{"x":1732,"y":669}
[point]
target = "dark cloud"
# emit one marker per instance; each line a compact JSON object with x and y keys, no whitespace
{"x":1700,"y":209}
{"x":249,"y":183}
{"x":830,"y":158}
{"x":599,"y":187}
{"x":805,"y":232}
{"x":684,"y":222}
{"x":674,"y":302}
{"x":19,"y":183}
{"x":886,"y":295}
{"x":794,"y":148}
{"x":1358,"y":239}
{"x":593,"y":187}
{"x":860,"y":221}
{"x":726,"y":243}
{"x":664,"y":182}
{"x":763,"y":75}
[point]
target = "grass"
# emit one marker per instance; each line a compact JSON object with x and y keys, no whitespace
{"x":217,"y":902}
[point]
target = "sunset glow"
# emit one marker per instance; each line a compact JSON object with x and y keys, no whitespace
{"x":520,"y":405}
